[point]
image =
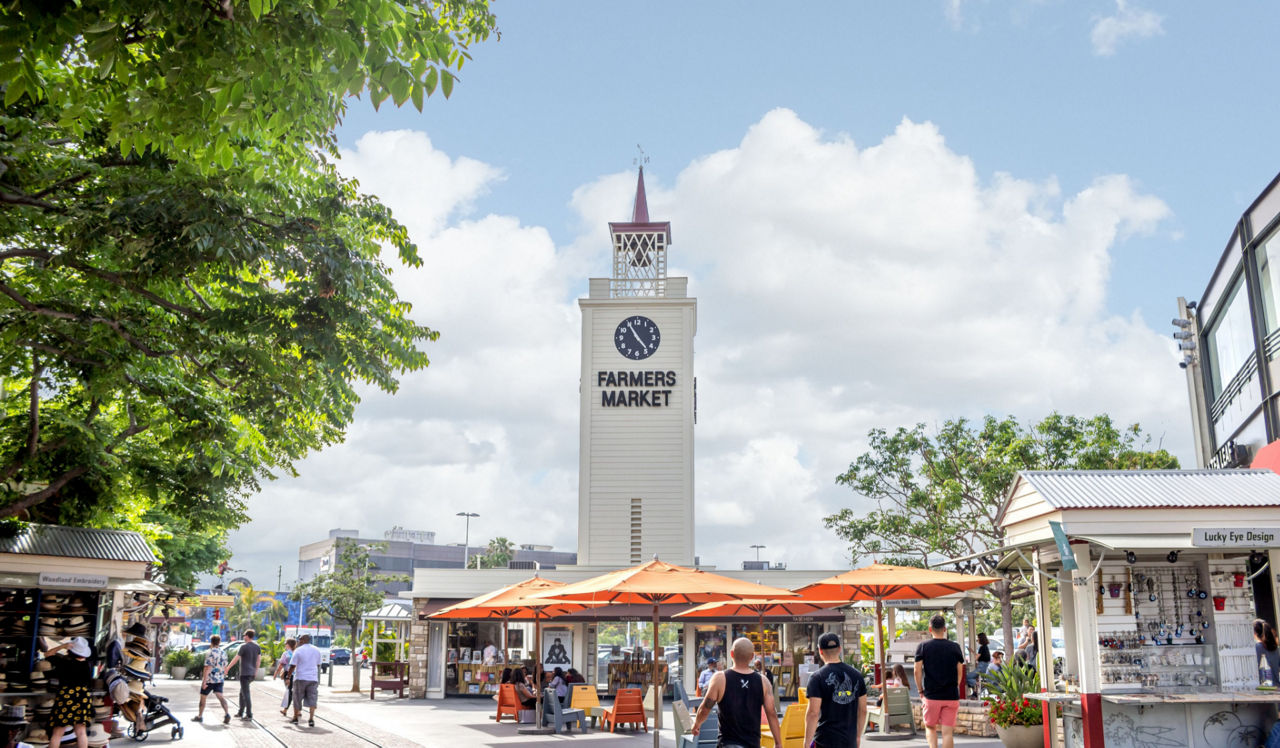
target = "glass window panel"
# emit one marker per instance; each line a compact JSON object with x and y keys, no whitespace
{"x":1230,"y":340}
{"x":1269,"y":276}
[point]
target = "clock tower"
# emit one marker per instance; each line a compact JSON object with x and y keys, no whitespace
{"x":635,"y":474}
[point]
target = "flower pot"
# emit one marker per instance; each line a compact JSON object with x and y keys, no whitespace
{"x":1021,"y":736}
{"x":1238,"y":579}
{"x":260,"y":674}
{"x":1219,"y":602}
{"x":178,"y":672}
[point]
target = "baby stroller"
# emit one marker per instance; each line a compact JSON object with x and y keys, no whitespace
{"x":157,"y":715}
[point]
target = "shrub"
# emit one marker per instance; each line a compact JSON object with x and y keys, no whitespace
{"x":1009,"y":705}
{"x":178,"y":658}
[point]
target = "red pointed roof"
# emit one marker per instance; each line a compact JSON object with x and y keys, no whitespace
{"x":640,"y":222}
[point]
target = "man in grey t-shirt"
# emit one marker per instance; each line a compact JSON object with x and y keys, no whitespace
{"x":248,"y":657}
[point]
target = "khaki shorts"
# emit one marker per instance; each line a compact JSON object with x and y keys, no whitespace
{"x":305,"y":693}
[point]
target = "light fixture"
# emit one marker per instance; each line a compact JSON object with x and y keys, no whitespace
{"x":1182,"y":335}
{"x":1257,"y":558}
{"x":1181,"y":322}
{"x":1191,"y":305}
{"x":1172,"y":557}
{"x":1186,"y":345}
{"x":1131,"y":557}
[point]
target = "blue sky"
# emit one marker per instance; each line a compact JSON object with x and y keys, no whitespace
{"x":1190,"y":112}
{"x":891,"y":213}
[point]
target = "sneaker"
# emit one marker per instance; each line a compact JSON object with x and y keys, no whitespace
{"x":311,"y":723}
{"x":247,"y":717}
{"x":226,"y":718}
{"x":293,"y":721}
{"x":197,"y":718}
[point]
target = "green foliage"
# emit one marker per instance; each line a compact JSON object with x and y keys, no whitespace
{"x":247,"y":611}
{"x":1008,"y":704}
{"x":180,"y":658}
{"x":497,"y":555}
{"x":197,"y":665}
{"x":937,"y":495}
{"x":190,"y":294}
{"x":347,"y":592}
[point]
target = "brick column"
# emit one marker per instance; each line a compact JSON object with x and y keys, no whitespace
{"x":418,"y":650}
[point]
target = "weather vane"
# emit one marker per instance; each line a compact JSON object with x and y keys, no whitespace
{"x":642,"y":158}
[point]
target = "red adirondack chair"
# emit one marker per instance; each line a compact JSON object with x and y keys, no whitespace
{"x":627,"y":709}
{"x":508,"y":704}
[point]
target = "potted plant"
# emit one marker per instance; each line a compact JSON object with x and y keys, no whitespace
{"x":178,"y":661}
{"x":1019,"y":721}
{"x":264,"y":664}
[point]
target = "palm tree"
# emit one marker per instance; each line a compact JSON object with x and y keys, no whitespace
{"x":247,"y":608}
{"x":498,"y":554}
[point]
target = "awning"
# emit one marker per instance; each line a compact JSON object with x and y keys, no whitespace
{"x":113,"y":583}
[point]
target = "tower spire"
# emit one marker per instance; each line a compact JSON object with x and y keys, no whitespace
{"x":640,"y":211}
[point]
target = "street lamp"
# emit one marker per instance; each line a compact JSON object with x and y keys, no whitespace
{"x":758,"y":547}
{"x":466,"y":543}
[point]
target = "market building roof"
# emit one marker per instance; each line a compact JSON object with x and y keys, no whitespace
{"x":79,"y":542}
{"x":1116,"y":489}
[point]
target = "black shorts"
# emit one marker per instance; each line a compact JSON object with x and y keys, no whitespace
{"x":211,"y":688}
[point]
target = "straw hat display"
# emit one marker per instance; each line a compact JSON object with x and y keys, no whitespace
{"x":76,"y":606}
{"x":136,"y":687}
{"x":139,"y":648}
{"x":129,"y":709}
{"x":138,"y":667}
{"x":97,"y":736}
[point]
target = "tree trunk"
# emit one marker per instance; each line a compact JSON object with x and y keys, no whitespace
{"x":355,"y":660}
{"x":1004,"y":590}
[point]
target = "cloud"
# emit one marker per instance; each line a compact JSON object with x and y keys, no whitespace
{"x":841,"y":287}
{"x":1129,"y":22}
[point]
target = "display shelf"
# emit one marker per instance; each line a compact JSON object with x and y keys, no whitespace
{"x":634,"y":674}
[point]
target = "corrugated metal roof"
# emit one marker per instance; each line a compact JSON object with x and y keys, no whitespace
{"x":1117,"y":489}
{"x":79,"y":542}
{"x":389,"y":612}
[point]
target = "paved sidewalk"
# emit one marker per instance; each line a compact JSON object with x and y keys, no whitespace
{"x":387,"y":721}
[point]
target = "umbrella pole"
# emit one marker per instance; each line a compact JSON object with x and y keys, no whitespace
{"x":506,"y":652}
{"x":657,"y":690}
{"x":880,"y":638}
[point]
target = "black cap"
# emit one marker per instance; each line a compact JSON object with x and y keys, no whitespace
{"x":711,"y":660}
{"x":828,"y":641}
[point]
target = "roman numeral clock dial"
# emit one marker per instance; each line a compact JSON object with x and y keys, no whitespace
{"x":637,"y":338}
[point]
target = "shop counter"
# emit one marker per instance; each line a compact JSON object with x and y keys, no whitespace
{"x":1200,"y":719}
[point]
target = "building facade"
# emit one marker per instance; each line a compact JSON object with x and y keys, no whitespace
{"x":401,"y":552}
{"x":635,"y":481}
{"x":1230,"y":338}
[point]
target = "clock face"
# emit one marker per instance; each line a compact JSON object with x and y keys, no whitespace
{"x":637,"y":338}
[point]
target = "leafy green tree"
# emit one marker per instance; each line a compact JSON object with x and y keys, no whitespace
{"x":190,"y":294}
{"x":252,"y":608}
{"x":348,"y":592}
{"x":498,"y":554}
{"x":937,"y":494}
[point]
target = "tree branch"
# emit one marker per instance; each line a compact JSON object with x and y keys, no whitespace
{"x":17,"y":198}
{"x":33,"y":436}
{"x":83,"y":317}
{"x":31,"y":499}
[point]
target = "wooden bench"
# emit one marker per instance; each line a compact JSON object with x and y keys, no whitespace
{"x":388,"y":676}
{"x":894,"y":709}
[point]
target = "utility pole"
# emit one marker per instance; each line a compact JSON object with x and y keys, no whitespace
{"x":758,"y":547}
{"x":279,"y":576}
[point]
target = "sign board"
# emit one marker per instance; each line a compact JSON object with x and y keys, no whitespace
{"x":902,"y":603}
{"x":78,"y":581}
{"x":1064,"y":547}
{"x":217,"y":601}
{"x":1236,"y":537}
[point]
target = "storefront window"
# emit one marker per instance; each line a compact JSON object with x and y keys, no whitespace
{"x":710,"y":642}
{"x":1269,"y":276}
{"x":1230,"y":340}
{"x":466,"y":670}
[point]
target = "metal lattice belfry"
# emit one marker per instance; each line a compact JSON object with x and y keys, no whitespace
{"x":639,"y":264}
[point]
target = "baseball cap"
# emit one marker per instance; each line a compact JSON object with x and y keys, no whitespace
{"x":828,"y":641}
{"x":712,"y":660}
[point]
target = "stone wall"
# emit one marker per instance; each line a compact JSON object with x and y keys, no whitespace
{"x":973,"y":719}
{"x":418,"y":650}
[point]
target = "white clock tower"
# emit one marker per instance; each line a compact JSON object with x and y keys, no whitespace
{"x":635,"y":476}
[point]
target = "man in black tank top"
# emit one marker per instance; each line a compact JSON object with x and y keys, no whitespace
{"x":742,"y":695}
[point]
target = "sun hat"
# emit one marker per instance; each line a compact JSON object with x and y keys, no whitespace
{"x":136,"y":629}
{"x":97,"y":736}
{"x":37,"y":734}
{"x":136,"y":686}
{"x":13,"y":715}
{"x":80,"y":647}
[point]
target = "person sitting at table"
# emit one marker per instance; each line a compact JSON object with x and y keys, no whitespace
{"x":704,"y":678}
{"x":506,"y":675}
{"x":557,"y":682}
{"x":983,"y":663}
{"x":897,"y":679}
{"x":997,"y":662}
{"x":572,"y":676}
{"x":524,"y":689}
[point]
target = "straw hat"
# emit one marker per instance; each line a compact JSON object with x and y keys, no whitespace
{"x":136,"y":687}
{"x":42,"y":666}
{"x":139,"y":648}
{"x":136,"y":629}
{"x":80,"y":647}
{"x":36,"y":735}
{"x":13,"y":715}
{"x":129,"y":709}
{"x":97,"y":735}
{"x":76,"y":606}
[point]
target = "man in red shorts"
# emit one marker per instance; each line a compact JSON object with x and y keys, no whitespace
{"x":939,"y":672}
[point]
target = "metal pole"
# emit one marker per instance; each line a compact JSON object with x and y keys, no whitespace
{"x":466,"y":539}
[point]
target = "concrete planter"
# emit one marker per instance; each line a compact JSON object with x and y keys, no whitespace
{"x":1021,"y":736}
{"x":260,"y":674}
{"x":178,"y":672}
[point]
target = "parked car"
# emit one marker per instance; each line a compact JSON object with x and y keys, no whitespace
{"x":200,"y":648}
{"x":340,"y":656}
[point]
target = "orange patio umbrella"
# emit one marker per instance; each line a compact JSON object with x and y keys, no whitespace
{"x":793,"y":606}
{"x":513,"y":602}
{"x":657,"y":583}
{"x":880,"y":582}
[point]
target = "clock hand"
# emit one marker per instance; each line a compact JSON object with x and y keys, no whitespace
{"x":637,"y":336}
